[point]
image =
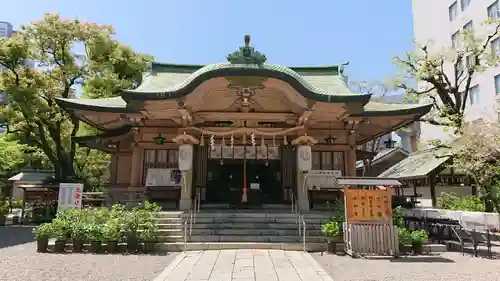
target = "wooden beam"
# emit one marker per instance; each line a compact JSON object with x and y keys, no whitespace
{"x":262,"y":116}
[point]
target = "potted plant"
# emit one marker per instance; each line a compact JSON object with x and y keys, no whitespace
{"x":79,"y":234}
{"x":42,"y":234}
{"x":112,"y":234}
{"x":130,"y":223}
{"x":331,"y":230}
{"x":405,"y":239}
{"x":61,"y":232}
{"x":149,"y":236}
{"x":4,"y":211}
{"x":418,"y":239}
{"x":95,"y":233}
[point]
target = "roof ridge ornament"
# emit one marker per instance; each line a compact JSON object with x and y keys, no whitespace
{"x":246,"y":55}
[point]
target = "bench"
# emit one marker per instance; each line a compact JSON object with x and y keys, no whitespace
{"x":472,"y":238}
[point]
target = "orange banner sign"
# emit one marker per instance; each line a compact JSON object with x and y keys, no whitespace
{"x":368,"y":205}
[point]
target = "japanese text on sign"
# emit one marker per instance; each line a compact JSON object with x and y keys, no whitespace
{"x":368,"y":205}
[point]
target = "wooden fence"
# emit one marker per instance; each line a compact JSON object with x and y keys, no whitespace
{"x":371,"y":239}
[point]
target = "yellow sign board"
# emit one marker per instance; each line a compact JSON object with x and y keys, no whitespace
{"x":368,"y":205}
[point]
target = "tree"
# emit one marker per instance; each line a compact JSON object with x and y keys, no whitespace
{"x":477,"y":152}
{"x":446,"y":77}
{"x":102,"y":68}
{"x":14,"y":156}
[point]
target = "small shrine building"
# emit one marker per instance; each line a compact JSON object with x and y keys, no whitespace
{"x":240,"y":132}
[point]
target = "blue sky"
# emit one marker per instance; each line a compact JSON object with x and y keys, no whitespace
{"x":317,"y":32}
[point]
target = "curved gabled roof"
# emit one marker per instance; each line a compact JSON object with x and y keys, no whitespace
{"x":328,"y":88}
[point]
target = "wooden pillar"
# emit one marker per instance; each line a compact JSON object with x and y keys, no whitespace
{"x":432,"y":182}
{"x":351,"y":155}
{"x":137,"y":166}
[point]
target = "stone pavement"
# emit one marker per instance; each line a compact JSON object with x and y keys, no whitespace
{"x":244,"y":265}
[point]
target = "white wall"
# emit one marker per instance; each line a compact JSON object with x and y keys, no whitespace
{"x":431,"y":22}
{"x":426,"y":200}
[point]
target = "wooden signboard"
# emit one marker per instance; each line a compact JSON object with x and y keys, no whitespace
{"x":368,"y":205}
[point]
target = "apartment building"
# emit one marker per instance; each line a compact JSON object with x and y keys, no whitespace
{"x":440,"y":22}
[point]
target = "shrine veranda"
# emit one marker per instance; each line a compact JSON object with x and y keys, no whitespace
{"x":242,"y":132}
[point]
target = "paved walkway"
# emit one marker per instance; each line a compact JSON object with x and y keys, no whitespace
{"x":244,"y":265}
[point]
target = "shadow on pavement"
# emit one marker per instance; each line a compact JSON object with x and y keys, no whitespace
{"x":15,"y":235}
{"x":415,"y":259}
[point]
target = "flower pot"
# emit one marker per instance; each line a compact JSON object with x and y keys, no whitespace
{"x":77,"y":245}
{"x":132,"y":244}
{"x":95,"y":246}
{"x":59,"y":246}
{"x":15,"y":220}
{"x":417,"y":248}
{"x":149,"y":247}
{"x":331,"y":247}
{"x":404,"y":249}
{"x":42,"y":244}
{"x":2,"y":219}
{"x":112,"y":247}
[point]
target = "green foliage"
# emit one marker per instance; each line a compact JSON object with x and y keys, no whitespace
{"x":397,"y":217}
{"x":104,"y":68}
{"x":44,"y":231}
{"x":338,"y":211}
{"x":470,"y":203}
{"x":404,"y":235}
{"x":331,"y":230}
{"x":17,"y":204}
{"x":103,"y":224}
{"x":419,"y":237}
{"x":4,"y":207}
{"x":149,"y":232}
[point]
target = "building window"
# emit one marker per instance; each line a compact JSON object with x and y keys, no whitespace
{"x":455,"y":40}
{"x":474,"y":95}
{"x":453,"y":11}
{"x":495,"y":46}
{"x":159,"y":158}
{"x":328,"y":160}
{"x":472,"y":60}
{"x":464,"y":4}
{"x":469,"y":27}
{"x":497,"y":84}
{"x":493,"y":11}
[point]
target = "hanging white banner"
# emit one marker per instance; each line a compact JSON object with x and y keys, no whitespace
{"x":185,"y":157}
{"x":304,"y":159}
{"x":163,"y":177}
{"x":70,"y":196}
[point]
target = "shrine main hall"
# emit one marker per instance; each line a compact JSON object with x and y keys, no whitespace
{"x":242,"y":132}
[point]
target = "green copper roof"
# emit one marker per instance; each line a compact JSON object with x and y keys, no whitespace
{"x":418,"y":165}
{"x":116,"y":104}
{"x":314,"y":85}
{"x":392,"y":109}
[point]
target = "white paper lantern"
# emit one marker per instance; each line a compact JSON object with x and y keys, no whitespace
{"x":185,"y":157}
{"x":304,"y":160}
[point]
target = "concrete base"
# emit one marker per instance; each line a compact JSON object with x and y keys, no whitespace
{"x":185,"y":204}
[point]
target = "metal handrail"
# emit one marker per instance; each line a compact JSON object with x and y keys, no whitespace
{"x":299,"y":220}
{"x":195,"y":207}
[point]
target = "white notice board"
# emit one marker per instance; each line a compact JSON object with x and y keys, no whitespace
{"x":70,"y":196}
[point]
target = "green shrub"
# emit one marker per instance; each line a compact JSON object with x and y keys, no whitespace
{"x":404,"y":235}
{"x":17,"y":204}
{"x":451,"y":201}
{"x":44,"y":231}
{"x":112,"y":230}
{"x":148,"y":233}
{"x":419,"y":237}
{"x":331,"y":230}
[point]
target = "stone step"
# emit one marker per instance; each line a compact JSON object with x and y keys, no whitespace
{"x":254,"y":232}
{"x":248,"y":238}
{"x":244,"y":225}
{"x":162,"y":220}
{"x":171,"y":238}
{"x":253,"y":220}
{"x":170,"y":225}
{"x":169,"y":214}
{"x":197,"y":246}
{"x":284,"y":215}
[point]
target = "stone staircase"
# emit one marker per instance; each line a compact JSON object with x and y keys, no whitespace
{"x":237,"y":229}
